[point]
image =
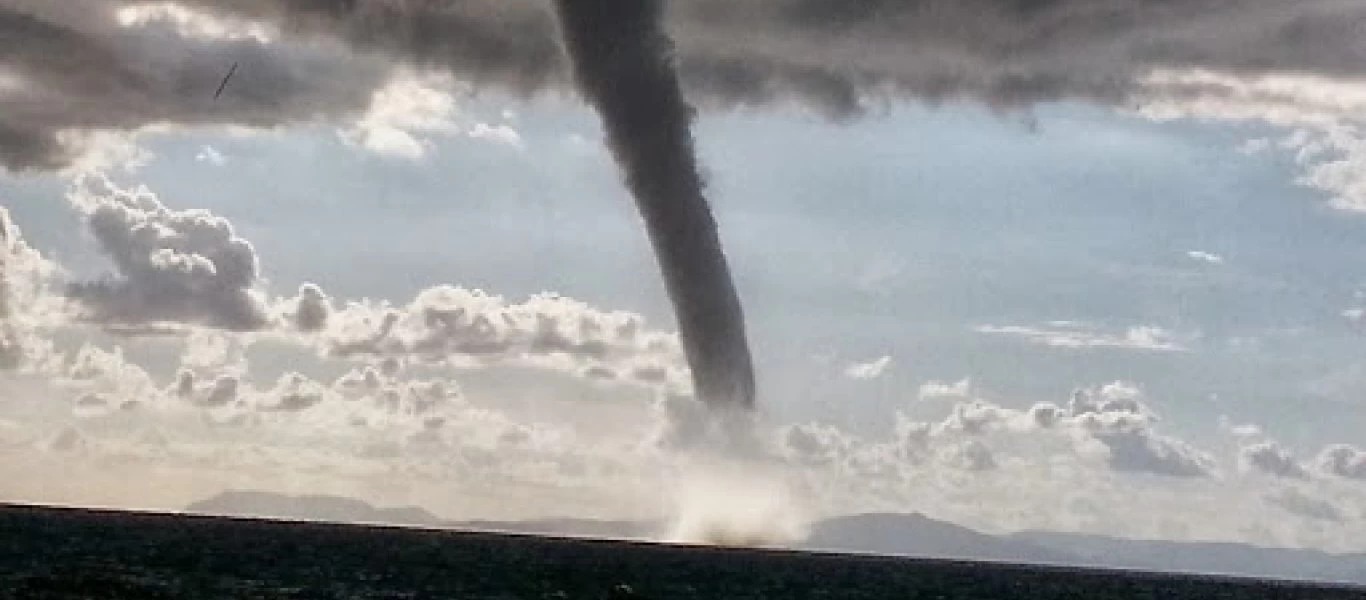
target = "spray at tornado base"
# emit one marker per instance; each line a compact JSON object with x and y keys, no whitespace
{"x":622,"y":64}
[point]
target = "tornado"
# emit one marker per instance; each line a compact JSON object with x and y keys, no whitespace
{"x":623,"y":66}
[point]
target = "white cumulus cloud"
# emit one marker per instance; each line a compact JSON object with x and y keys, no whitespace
{"x":448,"y":324}
{"x":170,"y":266}
{"x":404,"y":114}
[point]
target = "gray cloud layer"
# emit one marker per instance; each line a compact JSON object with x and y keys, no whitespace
{"x":77,"y":69}
{"x":832,"y":52}
{"x":81,"y":70}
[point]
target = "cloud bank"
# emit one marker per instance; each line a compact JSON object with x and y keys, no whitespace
{"x":187,"y":271}
{"x":159,"y":62}
{"x":453,"y":325}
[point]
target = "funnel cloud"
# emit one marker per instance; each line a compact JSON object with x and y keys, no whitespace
{"x":621,"y":62}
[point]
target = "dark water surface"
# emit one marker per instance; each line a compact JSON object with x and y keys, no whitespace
{"x":75,"y":553}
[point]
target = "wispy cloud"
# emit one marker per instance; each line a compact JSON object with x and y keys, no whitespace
{"x":932,"y":390}
{"x":1075,"y":335}
{"x":501,"y":134}
{"x":876,"y":276}
{"x":1205,"y":257}
{"x":868,"y":370}
{"x":209,"y":154}
{"x":1355,"y":315}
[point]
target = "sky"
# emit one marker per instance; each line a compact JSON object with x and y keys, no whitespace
{"x":1080,"y":270}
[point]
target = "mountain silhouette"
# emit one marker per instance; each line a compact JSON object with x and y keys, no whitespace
{"x":881,"y":533}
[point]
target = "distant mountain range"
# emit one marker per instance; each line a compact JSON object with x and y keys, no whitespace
{"x":1226,"y":558}
{"x":899,"y":534}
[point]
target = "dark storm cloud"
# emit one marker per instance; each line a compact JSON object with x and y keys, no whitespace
{"x":1005,"y":52}
{"x":834,"y":54}
{"x":512,"y":44}
{"x":72,"y":70}
{"x":82,"y":70}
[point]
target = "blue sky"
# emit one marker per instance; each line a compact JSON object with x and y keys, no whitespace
{"x":893,"y":235}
